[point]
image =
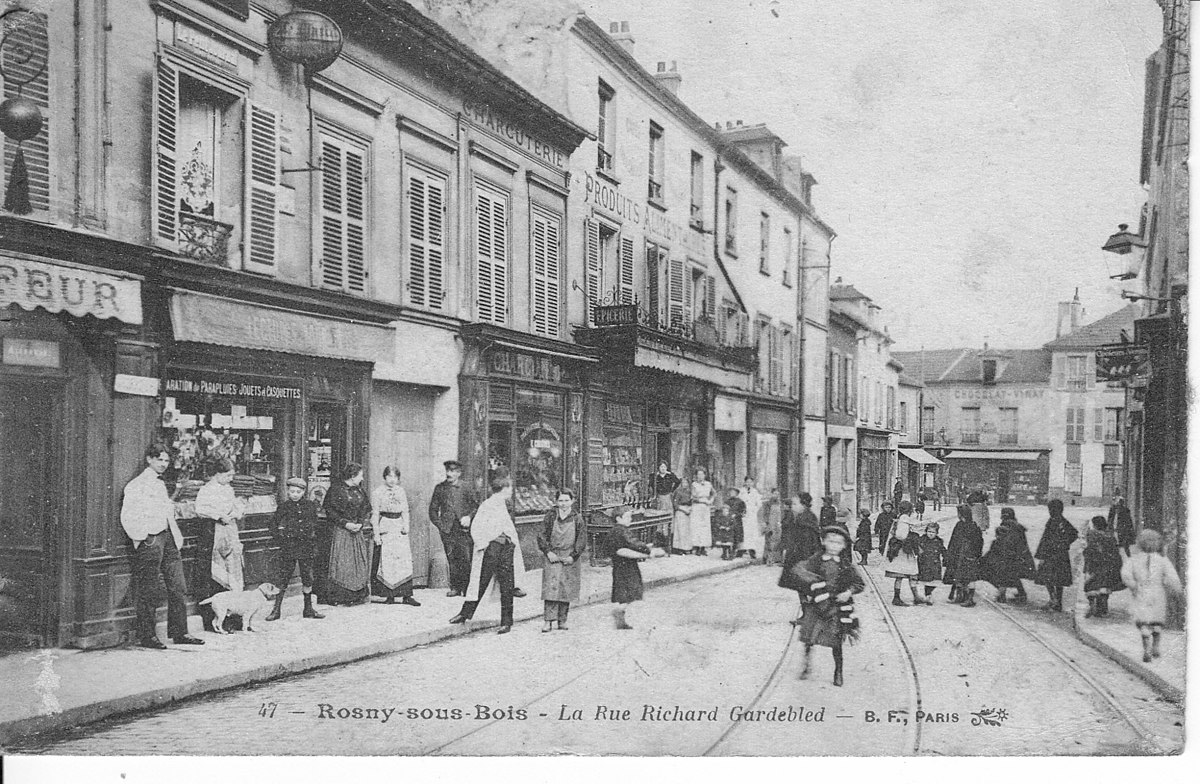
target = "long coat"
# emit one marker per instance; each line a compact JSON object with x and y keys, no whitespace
{"x":824,"y":628}
{"x":1101,"y":564}
{"x":1054,"y":552}
{"x":964,"y":553}
{"x":560,"y":582}
{"x":883,"y":525}
{"x":1150,"y":576}
{"x":1120,"y":520}
{"x":801,"y":539}
{"x":1008,"y":560}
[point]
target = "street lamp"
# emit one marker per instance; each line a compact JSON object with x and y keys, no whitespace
{"x":1132,"y":247}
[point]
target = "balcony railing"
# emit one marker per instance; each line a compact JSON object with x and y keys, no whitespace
{"x":604,"y":160}
{"x":1008,"y":438}
{"x":204,"y":239}
{"x":654,"y":190}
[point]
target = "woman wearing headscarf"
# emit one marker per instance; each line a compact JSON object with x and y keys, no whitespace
{"x":903,"y":547}
{"x":1008,"y":560}
{"x":391,"y":521}
{"x":1053,"y":554}
{"x":703,"y":496}
{"x":562,"y":540}
{"x":963,"y":556}
{"x":348,"y":514}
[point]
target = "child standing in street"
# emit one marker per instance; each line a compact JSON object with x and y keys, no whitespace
{"x":1101,"y":567}
{"x":862,"y":536}
{"x":1150,"y":576}
{"x":294,"y":527}
{"x":627,"y":577}
{"x":929,"y":560}
{"x":829,"y":582}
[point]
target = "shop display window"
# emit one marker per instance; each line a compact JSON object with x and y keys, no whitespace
{"x":531,"y":449}
{"x":202,"y":429}
{"x":625,"y":472}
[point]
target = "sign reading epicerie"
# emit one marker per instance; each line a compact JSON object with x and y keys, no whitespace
{"x":998,"y":394}
{"x":483,"y":116}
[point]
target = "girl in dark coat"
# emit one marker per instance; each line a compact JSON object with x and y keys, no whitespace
{"x":1053,"y":552}
{"x":1008,"y":560}
{"x":829,"y":582}
{"x":627,"y":577}
{"x":930,"y":559}
{"x":883,"y":525}
{"x":1120,"y":522}
{"x":862,"y":536}
{"x":1101,"y":567}
{"x":962,"y":557}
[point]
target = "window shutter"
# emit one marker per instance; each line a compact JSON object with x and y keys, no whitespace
{"x":794,"y":353}
{"x":710,"y":296}
{"x":425,"y":197}
{"x":625,"y":271}
{"x":491,"y":257}
{"x":343,"y":216}
{"x":676,"y":300}
{"x":1059,"y":371}
{"x":1098,"y":429}
{"x":653,"y":273}
{"x":689,"y":293}
{"x":591,"y":233}
{"x":27,"y":57}
{"x":262,"y":180}
{"x":164,"y":173}
{"x":545,"y":264}
{"x":723,"y":324}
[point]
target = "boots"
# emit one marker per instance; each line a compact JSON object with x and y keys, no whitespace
{"x":1091,"y":610}
{"x":837,"y":666}
{"x":970,"y":600}
{"x":1102,"y":605}
{"x":1154,"y":652}
{"x":1056,"y":595}
{"x":954,"y":597}
{"x":274,"y":615}
{"x":1002,"y":597}
{"x":309,"y":610}
{"x":619,"y":617}
{"x":804,"y":662}
{"x":1146,"y":650}
{"x":896,"y":600}
{"x":1021,"y":597}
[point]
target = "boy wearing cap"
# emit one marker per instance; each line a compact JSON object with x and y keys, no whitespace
{"x":294,"y":527}
{"x":829,"y":581}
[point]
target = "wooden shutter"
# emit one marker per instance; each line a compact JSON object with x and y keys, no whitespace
{"x":343,"y":215}
{"x":261,"y":224}
{"x":545,"y":265}
{"x":710,"y":297}
{"x":1098,"y":430}
{"x":625,"y":270}
{"x":591,"y":234}
{"x":1089,"y":369}
{"x":794,"y":366}
{"x":164,"y":173}
{"x":491,"y":255}
{"x":26,"y":56}
{"x":653,"y":292}
{"x":1059,"y":371}
{"x":676,"y":299}
{"x":689,"y":293}
{"x":425,"y":199}
{"x":723,"y":324}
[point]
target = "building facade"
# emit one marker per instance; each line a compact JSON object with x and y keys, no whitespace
{"x":841,"y":395}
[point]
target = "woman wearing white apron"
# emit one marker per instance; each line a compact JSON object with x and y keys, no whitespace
{"x":753,"y":541}
{"x":217,"y":501}
{"x":681,"y":527}
{"x":701,"y":520}
{"x":391,"y":521}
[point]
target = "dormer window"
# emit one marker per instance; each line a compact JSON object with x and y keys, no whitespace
{"x":989,"y":371}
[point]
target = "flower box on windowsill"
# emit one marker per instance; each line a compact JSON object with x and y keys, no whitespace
{"x":204,"y":239}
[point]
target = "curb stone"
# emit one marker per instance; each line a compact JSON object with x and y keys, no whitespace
{"x":1152,"y":678}
{"x":91,"y":713}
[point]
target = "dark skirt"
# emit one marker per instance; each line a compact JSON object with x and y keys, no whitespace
{"x":1055,"y":571}
{"x":349,"y":578}
{"x":627,"y":580}
{"x":929,"y":566}
{"x":816,"y":630}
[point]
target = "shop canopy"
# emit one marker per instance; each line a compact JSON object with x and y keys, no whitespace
{"x":920,"y":456}
{"x":994,"y":455}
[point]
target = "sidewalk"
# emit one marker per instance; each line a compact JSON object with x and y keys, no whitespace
{"x":54,"y":689}
{"x":1118,"y":639}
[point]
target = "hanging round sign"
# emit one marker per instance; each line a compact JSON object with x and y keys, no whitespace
{"x":306,"y":37}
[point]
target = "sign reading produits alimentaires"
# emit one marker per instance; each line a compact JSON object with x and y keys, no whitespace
{"x":483,"y":116}
{"x":656,"y":224}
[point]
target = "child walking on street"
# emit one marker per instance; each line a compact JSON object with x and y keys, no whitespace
{"x":1101,"y":567}
{"x":829,"y":582}
{"x":627,"y":577}
{"x":929,"y":560}
{"x":1150,"y":576}
{"x":862,"y":536}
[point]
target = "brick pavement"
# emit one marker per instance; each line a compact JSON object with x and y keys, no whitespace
{"x":53,"y":689}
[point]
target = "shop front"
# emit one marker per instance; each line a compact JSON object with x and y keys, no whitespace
{"x":1009,"y":477}
{"x":72,"y":336}
{"x":875,"y":461}
{"x":920,"y":470}
{"x":772,"y":430}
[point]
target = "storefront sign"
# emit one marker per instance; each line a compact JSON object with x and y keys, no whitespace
{"x":998,"y":394}
{"x":656,"y":223}
{"x":224,"y":386}
{"x":729,"y":414}
{"x":205,"y":319}
{"x":33,"y":353}
{"x":145,"y":386}
{"x":483,"y":116}
{"x":514,"y":363}
{"x":1122,"y":362}
{"x":80,"y":291}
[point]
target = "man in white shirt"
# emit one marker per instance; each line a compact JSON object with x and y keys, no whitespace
{"x":148,"y":517}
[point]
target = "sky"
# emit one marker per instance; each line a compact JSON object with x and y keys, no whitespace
{"x":971,"y":156}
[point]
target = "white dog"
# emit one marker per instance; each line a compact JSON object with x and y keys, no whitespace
{"x":244,"y":604}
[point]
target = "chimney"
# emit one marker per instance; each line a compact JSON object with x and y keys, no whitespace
{"x":620,"y":33}
{"x":1076,"y":311}
{"x":1064,"y":320}
{"x":668,"y":79}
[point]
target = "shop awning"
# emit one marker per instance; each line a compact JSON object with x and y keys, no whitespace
{"x":30,"y":283}
{"x":993,"y":455}
{"x":920,"y":456}
{"x":675,"y":362}
{"x":202,"y":318}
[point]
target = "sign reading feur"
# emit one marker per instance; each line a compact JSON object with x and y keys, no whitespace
{"x":1122,"y":362}
{"x":78,"y":290}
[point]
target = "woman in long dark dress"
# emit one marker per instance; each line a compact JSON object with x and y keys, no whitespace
{"x":1053,"y":553}
{"x":348,"y":514}
{"x":963,"y":556}
{"x":828,"y":582}
{"x":800,"y":537}
{"x":1101,"y":567}
{"x":1008,"y":560}
{"x":562,"y":540}
{"x":1120,"y":522}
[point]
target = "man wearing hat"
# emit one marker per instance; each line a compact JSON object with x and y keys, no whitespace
{"x":450,"y":511}
{"x":294,"y":526}
{"x":828,"y":512}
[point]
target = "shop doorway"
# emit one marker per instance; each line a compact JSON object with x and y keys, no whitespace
{"x":768,"y":468}
{"x":30,"y":417}
{"x":1003,"y":483}
{"x":327,"y":447}
{"x":727,"y":469}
